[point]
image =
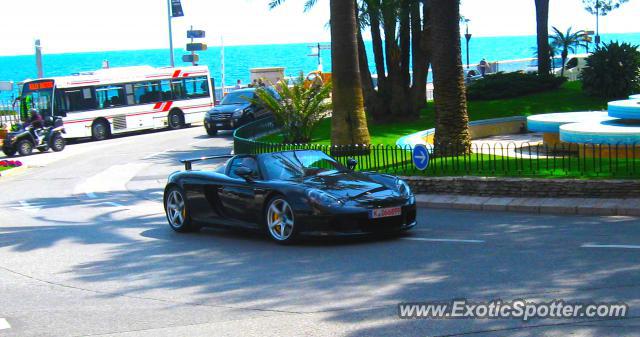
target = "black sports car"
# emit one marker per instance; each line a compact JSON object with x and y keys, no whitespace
{"x":288,"y":194}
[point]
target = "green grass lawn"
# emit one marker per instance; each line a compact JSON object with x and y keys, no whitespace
{"x":569,"y":97}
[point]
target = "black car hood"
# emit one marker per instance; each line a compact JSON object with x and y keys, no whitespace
{"x":348,"y":185}
{"x":229,"y":108}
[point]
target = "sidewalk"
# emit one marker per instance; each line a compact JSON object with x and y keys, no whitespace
{"x":584,"y":206}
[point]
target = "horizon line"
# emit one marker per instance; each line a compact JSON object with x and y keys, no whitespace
{"x":255,"y":44}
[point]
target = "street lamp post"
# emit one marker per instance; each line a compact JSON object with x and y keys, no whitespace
{"x":467,"y":36}
{"x":169,"y":16}
{"x":597,"y":23}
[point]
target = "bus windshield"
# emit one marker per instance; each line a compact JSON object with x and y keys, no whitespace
{"x":36,"y":95}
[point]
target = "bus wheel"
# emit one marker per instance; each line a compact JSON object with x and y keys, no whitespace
{"x":175,"y":120}
{"x":100,"y":130}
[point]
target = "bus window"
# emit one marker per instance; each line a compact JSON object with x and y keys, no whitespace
{"x":197,"y":87}
{"x":77,"y":99}
{"x":110,"y":96}
{"x":165,"y":88}
{"x":128,"y":88}
{"x":36,"y":95}
{"x":178,"y":90}
{"x":146,"y":92}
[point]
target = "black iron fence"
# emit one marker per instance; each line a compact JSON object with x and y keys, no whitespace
{"x":495,"y":159}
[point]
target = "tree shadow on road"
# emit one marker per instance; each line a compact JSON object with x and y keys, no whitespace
{"x":353,"y":282}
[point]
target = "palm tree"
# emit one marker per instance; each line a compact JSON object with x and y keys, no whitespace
{"x":348,"y":122}
{"x":566,"y":43}
{"x":542,"y":20}
{"x":452,"y":130}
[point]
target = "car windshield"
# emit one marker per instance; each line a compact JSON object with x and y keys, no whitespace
{"x":298,"y":164}
{"x":235,"y":98}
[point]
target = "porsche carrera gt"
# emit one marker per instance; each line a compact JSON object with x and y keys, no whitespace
{"x":288,"y":194}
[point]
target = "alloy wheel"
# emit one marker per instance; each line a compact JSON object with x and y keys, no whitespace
{"x":176,"y":211}
{"x":280,"y":220}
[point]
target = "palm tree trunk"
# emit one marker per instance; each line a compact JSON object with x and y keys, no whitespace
{"x":420,"y":54}
{"x":452,"y":130}
{"x":348,"y":123}
{"x":542,"y":20}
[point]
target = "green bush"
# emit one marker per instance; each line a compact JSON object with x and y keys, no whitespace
{"x":506,"y":85}
{"x":613,"y":71}
{"x":300,"y":108}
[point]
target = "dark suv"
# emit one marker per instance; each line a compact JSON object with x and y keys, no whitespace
{"x":236,"y":109}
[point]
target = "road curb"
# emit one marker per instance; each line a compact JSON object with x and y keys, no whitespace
{"x":576,"y":206}
{"x":12,"y":172}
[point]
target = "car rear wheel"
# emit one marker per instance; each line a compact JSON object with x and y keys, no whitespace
{"x":178,"y":212}
{"x":25,"y":147}
{"x":280,"y":221}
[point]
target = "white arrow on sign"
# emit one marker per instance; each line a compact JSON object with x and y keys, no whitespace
{"x":421,"y":157}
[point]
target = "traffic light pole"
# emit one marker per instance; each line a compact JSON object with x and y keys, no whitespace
{"x":170,"y":34}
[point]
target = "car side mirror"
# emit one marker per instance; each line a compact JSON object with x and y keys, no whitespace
{"x":351,"y":164}
{"x":243,"y":172}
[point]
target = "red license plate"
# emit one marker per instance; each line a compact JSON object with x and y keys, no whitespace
{"x":385,"y":212}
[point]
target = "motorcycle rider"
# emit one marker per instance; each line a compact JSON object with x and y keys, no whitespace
{"x":37,"y":123}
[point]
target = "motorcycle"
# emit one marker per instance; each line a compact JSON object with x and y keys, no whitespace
{"x":23,"y":141}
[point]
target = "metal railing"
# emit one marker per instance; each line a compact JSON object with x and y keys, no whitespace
{"x":8,"y":113}
{"x":498,"y":159}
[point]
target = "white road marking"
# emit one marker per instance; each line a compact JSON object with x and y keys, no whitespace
{"x":590,"y":245}
{"x":4,"y":324}
{"x":26,"y":207}
{"x":443,"y":240}
{"x":108,"y":181}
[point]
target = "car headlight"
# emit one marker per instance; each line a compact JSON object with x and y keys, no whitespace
{"x":319,"y":197}
{"x":403,"y":188}
{"x":238,"y":113}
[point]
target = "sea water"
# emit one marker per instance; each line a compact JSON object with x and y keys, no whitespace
{"x":239,"y":59}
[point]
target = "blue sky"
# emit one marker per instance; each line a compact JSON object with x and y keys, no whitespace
{"x":91,"y":25}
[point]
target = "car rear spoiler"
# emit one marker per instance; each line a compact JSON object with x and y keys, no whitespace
{"x":188,"y":162}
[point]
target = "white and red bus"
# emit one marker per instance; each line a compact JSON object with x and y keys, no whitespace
{"x":100,"y":103}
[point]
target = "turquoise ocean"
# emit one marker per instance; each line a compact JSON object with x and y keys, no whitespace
{"x":239,"y":59}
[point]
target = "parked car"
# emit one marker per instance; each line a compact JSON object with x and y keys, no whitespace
{"x":572,"y":68}
{"x":236,"y":109}
{"x":288,"y":194}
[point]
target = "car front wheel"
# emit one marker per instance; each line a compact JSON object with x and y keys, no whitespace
{"x":280,"y":221}
{"x":211,"y":131}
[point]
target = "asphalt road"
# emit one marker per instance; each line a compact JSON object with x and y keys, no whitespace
{"x":85,"y":251}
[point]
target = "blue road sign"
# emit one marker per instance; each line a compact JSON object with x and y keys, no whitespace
{"x":421,"y":157}
{"x":176,"y":9}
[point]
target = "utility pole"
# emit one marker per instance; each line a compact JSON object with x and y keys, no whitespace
{"x":39,"y":59}
{"x":169,"y":16}
{"x":597,"y":23}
